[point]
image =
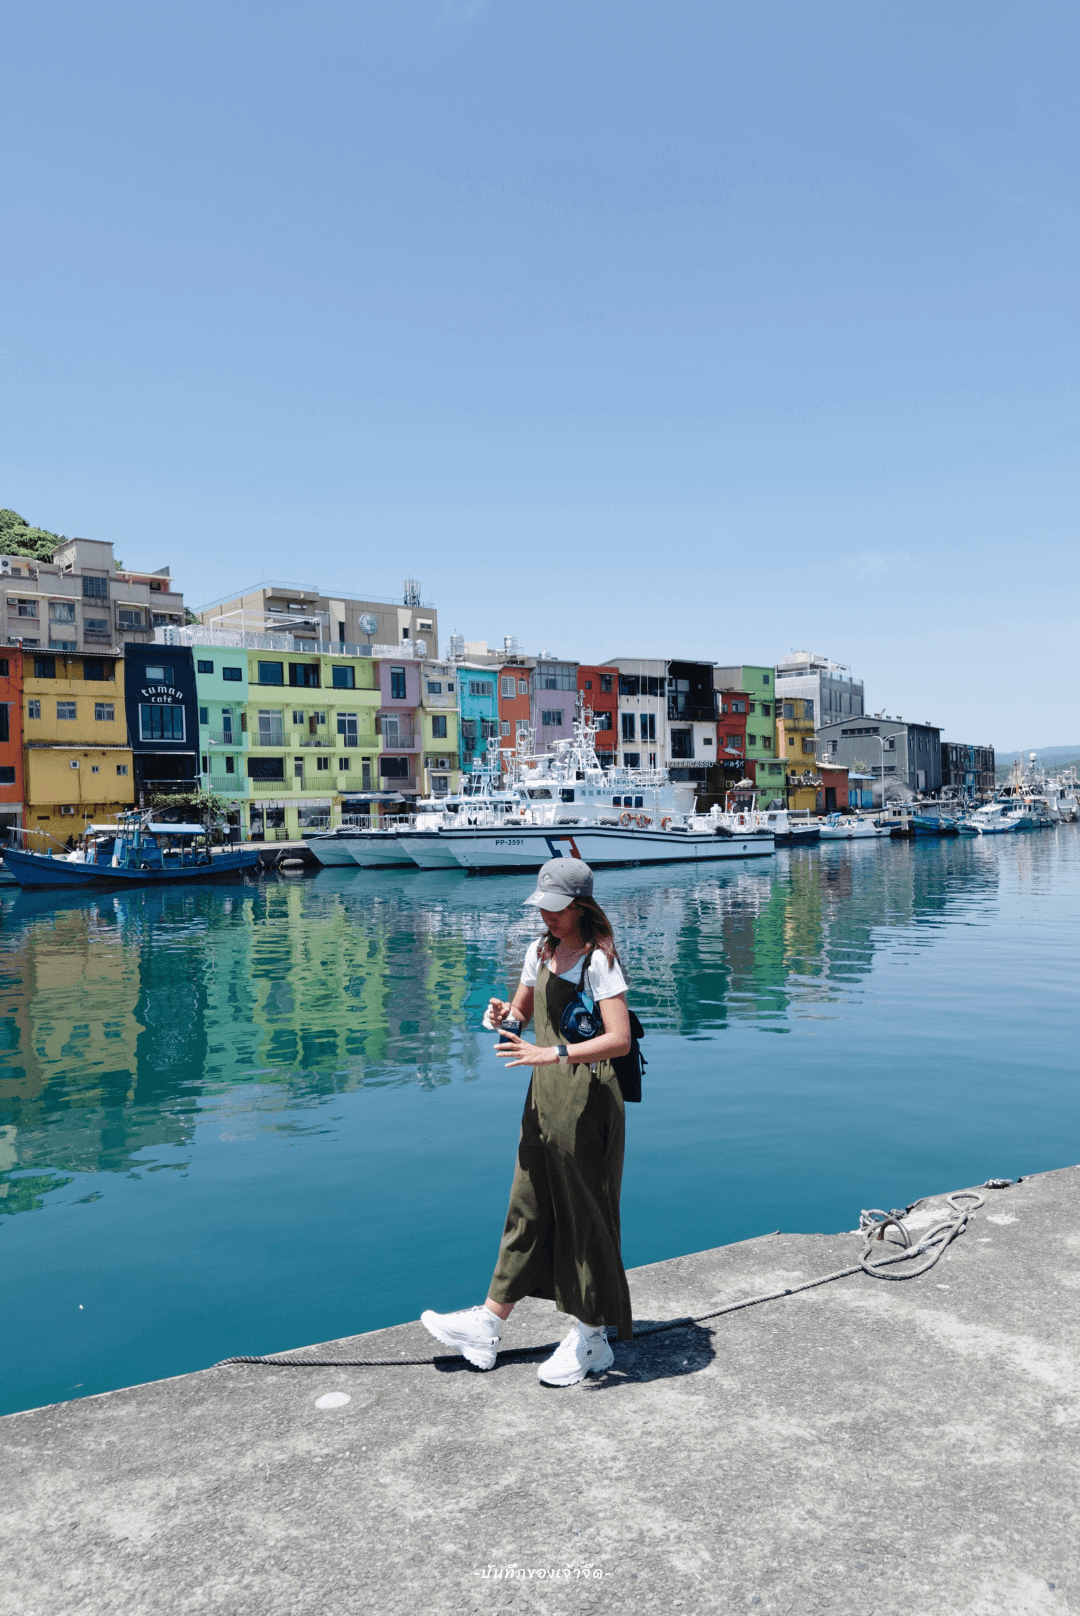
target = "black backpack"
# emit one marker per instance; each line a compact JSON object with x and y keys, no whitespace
{"x":581,"y":1020}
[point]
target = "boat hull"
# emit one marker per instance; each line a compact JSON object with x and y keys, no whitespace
{"x":854,"y":833}
{"x":375,"y":849}
{"x":330,"y":850}
{"x":38,"y":870}
{"x":429,"y":850}
{"x":527,"y":848}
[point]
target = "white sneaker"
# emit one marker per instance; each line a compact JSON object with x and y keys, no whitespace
{"x":475,"y":1332}
{"x":578,"y":1355}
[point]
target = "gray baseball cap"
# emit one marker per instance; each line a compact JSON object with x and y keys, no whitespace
{"x":560,"y":881}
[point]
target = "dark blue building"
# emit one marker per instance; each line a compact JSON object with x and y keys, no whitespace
{"x":162,"y":718}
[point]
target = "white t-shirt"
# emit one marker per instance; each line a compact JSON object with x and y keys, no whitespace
{"x":602,"y":979}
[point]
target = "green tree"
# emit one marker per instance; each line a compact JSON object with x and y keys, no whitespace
{"x":17,"y":537}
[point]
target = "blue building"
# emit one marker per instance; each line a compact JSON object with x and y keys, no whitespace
{"x":478,"y":706}
{"x":162,"y":718}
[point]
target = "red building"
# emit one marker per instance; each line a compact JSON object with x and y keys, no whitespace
{"x":599,"y":688}
{"x":833,"y":791}
{"x":731,"y":738}
{"x":11,"y":741}
{"x":513,"y":702}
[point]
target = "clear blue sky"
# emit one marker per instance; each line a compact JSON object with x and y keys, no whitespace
{"x":672,"y":329}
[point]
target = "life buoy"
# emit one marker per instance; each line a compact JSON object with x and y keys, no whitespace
{"x":625,"y":819}
{"x":665,"y":822}
{"x":643,"y":821}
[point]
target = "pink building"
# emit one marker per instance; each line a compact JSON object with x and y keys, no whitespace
{"x":401,"y":736}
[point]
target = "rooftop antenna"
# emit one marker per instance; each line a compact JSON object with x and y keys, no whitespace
{"x":412,"y":592}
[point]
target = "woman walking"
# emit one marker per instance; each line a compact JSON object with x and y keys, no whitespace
{"x":562,"y":1238}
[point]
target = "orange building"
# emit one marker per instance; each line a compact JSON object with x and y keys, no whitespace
{"x":513,"y":703}
{"x":11,"y":741}
{"x":599,"y":689}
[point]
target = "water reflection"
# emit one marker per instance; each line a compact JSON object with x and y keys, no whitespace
{"x":123,"y":1017}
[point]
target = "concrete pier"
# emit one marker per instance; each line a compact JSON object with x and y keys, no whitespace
{"x":862,"y":1449}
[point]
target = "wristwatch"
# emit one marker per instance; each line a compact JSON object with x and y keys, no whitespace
{"x":563,"y":1053}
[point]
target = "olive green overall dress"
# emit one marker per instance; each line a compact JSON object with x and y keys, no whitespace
{"x":562,"y":1236}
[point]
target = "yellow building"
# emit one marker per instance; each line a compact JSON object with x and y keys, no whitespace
{"x":77,"y":762}
{"x":796,"y":747}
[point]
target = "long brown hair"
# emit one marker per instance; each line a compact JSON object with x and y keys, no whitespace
{"x":595,"y":929}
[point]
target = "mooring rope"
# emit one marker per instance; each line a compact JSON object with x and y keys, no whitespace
{"x":872,"y":1224}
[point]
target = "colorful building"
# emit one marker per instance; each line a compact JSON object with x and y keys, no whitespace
{"x":221,"y":686}
{"x":438,"y":720}
{"x":515,"y":710}
{"x":77,"y":763}
{"x":400,"y":727}
{"x":11,"y":743}
{"x":553,"y":697}
{"x":162,"y":719}
{"x":478,"y":707}
{"x":731,"y":736}
{"x":598,"y":688}
{"x":797,"y":749}
{"x":312,"y":741}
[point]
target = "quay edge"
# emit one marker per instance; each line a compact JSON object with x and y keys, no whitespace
{"x":866,"y":1446}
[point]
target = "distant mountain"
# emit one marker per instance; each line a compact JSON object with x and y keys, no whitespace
{"x":1051,"y":757}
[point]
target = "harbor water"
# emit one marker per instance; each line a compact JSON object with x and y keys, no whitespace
{"x":248,"y":1117}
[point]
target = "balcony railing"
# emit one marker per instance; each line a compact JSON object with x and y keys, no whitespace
{"x":316,"y":740}
{"x":226,"y":737}
{"x":224,"y":784}
{"x":356,"y":782}
{"x":278,"y":738}
{"x":269,"y":788}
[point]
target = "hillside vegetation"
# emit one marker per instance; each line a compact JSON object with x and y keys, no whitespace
{"x":17,"y":537}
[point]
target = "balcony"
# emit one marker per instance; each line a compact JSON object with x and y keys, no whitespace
{"x":269,"y":788}
{"x":318,"y":740}
{"x":355,"y":782}
{"x":93,"y":636}
{"x":277,"y":738}
{"x":225,"y":785}
{"x":226,"y":737}
{"x":691,"y":711}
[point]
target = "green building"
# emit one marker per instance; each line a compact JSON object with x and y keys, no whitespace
{"x":221,"y":686}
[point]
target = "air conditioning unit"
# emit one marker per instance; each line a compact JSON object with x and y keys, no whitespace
{"x":74,"y":763}
{"x":5,"y":566}
{"x":442,"y":763}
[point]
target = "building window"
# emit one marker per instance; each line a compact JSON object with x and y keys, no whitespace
{"x":298,"y":718}
{"x":766,"y":679}
{"x":204,"y":715}
{"x":344,"y":678}
{"x":348,"y":729}
{"x":552,"y":717}
{"x":233,"y":674}
{"x":67,"y":710}
{"x":230,"y":765}
{"x":648,"y":727}
{"x":62,"y":611}
{"x":631,"y":760}
{"x":204,"y":667}
{"x":438,"y":727}
{"x":509,"y":689}
{"x":161,"y":723}
{"x":606,"y":682}
{"x":266,"y":768}
{"x":129,"y":618}
{"x":397,"y":684}
{"x":33,"y":709}
{"x":4,"y":667}
{"x":305,"y":675}
{"x":298,"y":768}
{"x":766,"y":743}
{"x":271,"y":673}
{"x":588,"y":684}
{"x":504,"y":727}
{"x":68,"y":810}
{"x":94,"y":669}
{"x":434,"y":687}
{"x":27,"y":608}
{"x":121,"y":768}
{"x":521,"y":726}
{"x":159,"y":674}
{"x":751,"y":740}
{"x":344,"y":764}
{"x":733,"y":743}
{"x":7,"y":774}
{"x":394,"y":768}
{"x":602,"y":720}
{"x":682,"y":743}
{"x":628,"y":727}
{"x":523,"y":687}
{"x":5,"y":724}
{"x":104,"y":712}
{"x":44,"y":667}
{"x":322,"y":764}
{"x":775,"y":768}
{"x":95,"y":588}
{"x":766,"y":709}
{"x":808,"y":744}
{"x":270,"y":730}
{"x":481,"y":687}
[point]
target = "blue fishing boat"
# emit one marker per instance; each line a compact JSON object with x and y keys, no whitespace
{"x":136,"y":851}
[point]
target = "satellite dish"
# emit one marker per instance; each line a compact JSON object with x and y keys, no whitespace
{"x":369,"y":623}
{"x":420,"y":647}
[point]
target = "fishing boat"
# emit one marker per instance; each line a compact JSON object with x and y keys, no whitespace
{"x":135,"y":851}
{"x":695,"y":838}
{"x":851,"y":828}
{"x":995,"y":819}
{"x":932,"y":820}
